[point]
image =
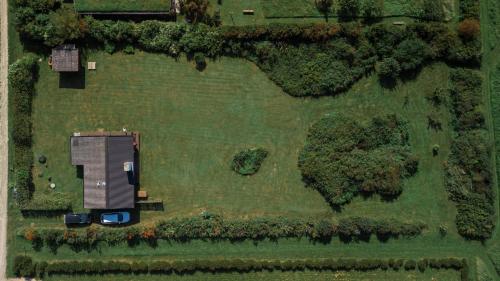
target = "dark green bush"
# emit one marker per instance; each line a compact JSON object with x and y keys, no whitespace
{"x":373,"y":159}
{"x":199,"y":59}
{"x":23,"y":266}
{"x":248,"y":162}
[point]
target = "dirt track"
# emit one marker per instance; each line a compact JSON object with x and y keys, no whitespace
{"x":4,"y":64}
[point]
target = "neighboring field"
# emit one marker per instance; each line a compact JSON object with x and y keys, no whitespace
{"x":448,"y":275}
{"x":190,"y":132}
{"x":122,"y":6}
{"x":307,"y":8}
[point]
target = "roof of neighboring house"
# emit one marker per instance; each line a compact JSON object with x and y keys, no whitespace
{"x":65,"y":58}
{"x":106,"y":184}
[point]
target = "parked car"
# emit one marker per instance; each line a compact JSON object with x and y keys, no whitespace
{"x":82,"y":218}
{"x":115,"y":218}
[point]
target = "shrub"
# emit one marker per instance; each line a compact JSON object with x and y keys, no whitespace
{"x":371,"y":159}
{"x":248,"y":162}
{"x":469,"y":29}
{"x":469,"y":9}
{"x":389,"y":68}
{"x":348,"y":9}
{"x":23,"y":266}
{"x":200,"y":61}
{"x":411,"y":53}
{"x":195,"y":10}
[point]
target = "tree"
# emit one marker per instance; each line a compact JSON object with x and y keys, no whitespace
{"x":411,"y":53}
{"x":348,"y":9}
{"x":195,"y":10}
{"x":371,"y":9}
{"x":64,"y":25}
{"x":469,"y":29}
{"x":324,"y":7}
{"x":432,"y":10}
{"x":389,"y":68}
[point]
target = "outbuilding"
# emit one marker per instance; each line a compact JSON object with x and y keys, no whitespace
{"x":65,"y":58}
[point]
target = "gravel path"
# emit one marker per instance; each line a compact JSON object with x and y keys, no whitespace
{"x":4,"y":65}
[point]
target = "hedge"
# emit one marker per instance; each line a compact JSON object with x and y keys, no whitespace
{"x":25,"y":264}
{"x":217,"y":228}
{"x":22,"y":78}
{"x":469,"y":175}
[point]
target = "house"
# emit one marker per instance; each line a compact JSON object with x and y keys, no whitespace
{"x":108,"y":169}
{"x":65,"y":58}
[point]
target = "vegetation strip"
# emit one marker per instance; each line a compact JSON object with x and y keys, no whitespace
{"x":83,"y":6}
{"x":22,"y":77}
{"x":216,"y":228}
{"x":25,"y":266}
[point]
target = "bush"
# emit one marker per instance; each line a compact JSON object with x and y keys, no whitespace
{"x":469,"y":9}
{"x":389,"y":68}
{"x":348,"y":9}
{"x":469,"y":29}
{"x":23,"y":266}
{"x":200,"y":61}
{"x":22,"y":77}
{"x":248,"y":162}
{"x":373,"y":159}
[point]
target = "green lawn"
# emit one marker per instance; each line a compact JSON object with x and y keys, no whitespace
{"x":190,"y":131}
{"x":83,"y":6}
{"x":445,"y":275}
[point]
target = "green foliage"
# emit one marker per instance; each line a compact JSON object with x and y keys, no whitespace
{"x":314,"y":70}
{"x":469,"y":9}
{"x":389,"y":68}
{"x":371,"y":9}
{"x":342,"y":158}
{"x":432,"y":10}
{"x":167,"y":266}
{"x":411,"y":53}
{"x":160,"y":36}
{"x":468,"y":174}
{"x":217,"y":228}
{"x":195,"y":10}
{"x":64,"y":25}
{"x":348,"y":9}
{"x":23,"y":266}
{"x":22,"y":78}
{"x":248,"y":162}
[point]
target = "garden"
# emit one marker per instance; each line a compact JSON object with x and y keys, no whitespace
{"x":350,"y":147}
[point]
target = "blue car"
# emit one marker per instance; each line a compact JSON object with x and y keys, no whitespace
{"x":115,"y":218}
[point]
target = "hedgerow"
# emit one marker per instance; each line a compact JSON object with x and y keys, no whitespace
{"x":469,"y":179}
{"x":22,"y":77}
{"x":342,"y":158}
{"x":25,"y":264}
{"x":217,"y":228}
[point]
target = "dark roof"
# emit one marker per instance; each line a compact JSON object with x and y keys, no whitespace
{"x":106,"y":184}
{"x":65,"y":58}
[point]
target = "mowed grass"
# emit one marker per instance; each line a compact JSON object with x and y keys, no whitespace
{"x":192,"y":123}
{"x":122,"y":5}
{"x":307,"y":8}
{"x":445,"y":275}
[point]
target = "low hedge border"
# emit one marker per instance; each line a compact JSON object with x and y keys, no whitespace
{"x":216,"y":228}
{"x":25,"y":266}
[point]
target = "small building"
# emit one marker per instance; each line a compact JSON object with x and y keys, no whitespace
{"x":65,"y":58}
{"x":108,"y":170}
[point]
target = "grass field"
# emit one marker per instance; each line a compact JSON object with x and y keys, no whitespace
{"x":445,"y":275}
{"x":122,"y":6}
{"x":190,"y":131}
{"x":307,"y":8}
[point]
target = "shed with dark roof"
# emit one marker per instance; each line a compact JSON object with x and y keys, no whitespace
{"x":108,"y":170}
{"x":65,"y":58}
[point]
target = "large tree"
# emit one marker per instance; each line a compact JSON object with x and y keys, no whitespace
{"x":324,"y":7}
{"x":348,"y":9}
{"x":195,"y":10}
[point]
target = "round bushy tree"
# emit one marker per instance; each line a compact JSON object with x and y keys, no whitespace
{"x":389,"y":68}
